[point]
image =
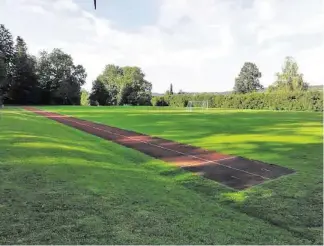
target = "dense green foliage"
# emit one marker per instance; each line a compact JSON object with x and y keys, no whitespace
{"x":121,"y":85}
{"x":6,"y":45}
{"x":298,"y":100}
{"x":3,"y":76}
{"x":161,"y":100}
{"x":6,"y":56}
{"x":59,"y":79}
{"x":23,"y":85}
{"x":248,"y":79}
{"x":51,"y":78}
{"x":84,"y":98}
{"x":290,"y":139}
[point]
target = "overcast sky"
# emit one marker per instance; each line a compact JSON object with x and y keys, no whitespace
{"x":198,"y":45}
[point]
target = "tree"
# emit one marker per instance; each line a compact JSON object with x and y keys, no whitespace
{"x":99,"y":93}
{"x":2,"y":77}
{"x":59,"y":79}
{"x":52,"y":78}
{"x":124,"y":94}
{"x":84,"y":98}
{"x":24,"y":84}
{"x":170,"y":91}
{"x":112,"y":74}
{"x":144,"y":93}
{"x":45,"y":75}
{"x":122,"y":85}
{"x":6,"y":55}
{"x":248,"y":79}
{"x":289,"y":79}
{"x":6,"y":44}
{"x":135,"y":90}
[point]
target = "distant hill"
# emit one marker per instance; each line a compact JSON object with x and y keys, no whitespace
{"x":157,"y":94}
{"x":316,"y":87}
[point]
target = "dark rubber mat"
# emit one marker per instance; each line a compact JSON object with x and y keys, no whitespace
{"x":270,"y":171}
{"x":229,"y":177}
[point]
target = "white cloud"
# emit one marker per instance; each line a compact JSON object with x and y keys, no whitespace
{"x":196,"y":45}
{"x":66,"y":5}
{"x":265,"y":10}
{"x":36,"y":9}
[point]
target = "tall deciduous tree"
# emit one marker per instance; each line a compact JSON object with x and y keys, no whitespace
{"x":135,"y":90}
{"x":112,"y":74}
{"x":59,"y":79}
{"x":106,"y":87}
{"x":289,"y":79}
{"x":122,"y":85}
{"x":248,"y":79}
{"x":99,"y":93}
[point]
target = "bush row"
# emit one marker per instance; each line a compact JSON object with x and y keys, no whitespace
{"x":298,"y":101}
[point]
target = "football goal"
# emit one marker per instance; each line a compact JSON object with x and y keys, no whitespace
{"x":197,"y":105}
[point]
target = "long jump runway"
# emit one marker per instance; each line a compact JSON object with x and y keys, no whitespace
{"x":235,"y":172}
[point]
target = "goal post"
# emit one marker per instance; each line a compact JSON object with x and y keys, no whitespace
{"x":197,"y":105}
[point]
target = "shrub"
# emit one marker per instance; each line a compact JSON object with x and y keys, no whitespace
{"x":159,"y":101}
{"x":297,"y":101}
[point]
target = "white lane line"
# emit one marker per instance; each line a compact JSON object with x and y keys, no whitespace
{"x":161,"y":147}
{"x":234,"y":177}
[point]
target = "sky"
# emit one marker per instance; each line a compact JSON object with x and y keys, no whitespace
{"x":197,"y":45}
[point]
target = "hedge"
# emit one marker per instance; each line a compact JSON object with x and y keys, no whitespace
{"x":297,"y":101}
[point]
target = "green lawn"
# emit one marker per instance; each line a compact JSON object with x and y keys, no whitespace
{"x":60,"y":185}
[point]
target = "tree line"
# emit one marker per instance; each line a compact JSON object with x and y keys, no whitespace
{"x":288,"y":92}
{"x":277,"y":100}
{"x":50,"y":78}
{"x":53,"y":78}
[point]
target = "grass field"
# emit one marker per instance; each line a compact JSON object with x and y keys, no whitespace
{"x":60,"y":185}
